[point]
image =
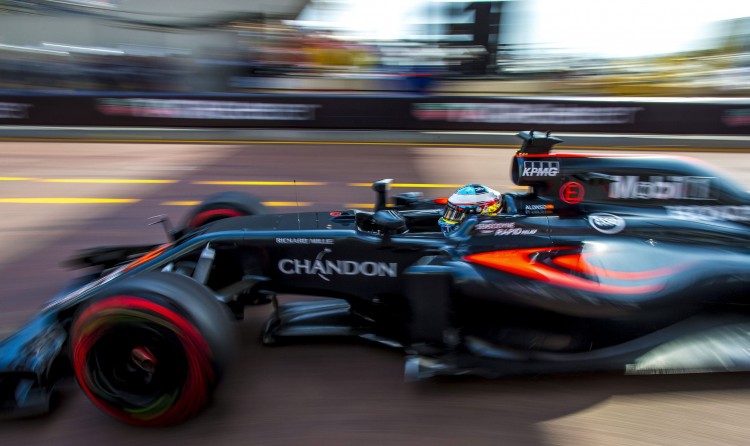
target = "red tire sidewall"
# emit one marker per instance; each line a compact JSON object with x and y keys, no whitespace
{"x":206,"y":216}
{"x":98,"y":318}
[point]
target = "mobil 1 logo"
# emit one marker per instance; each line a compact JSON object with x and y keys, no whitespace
{"x":633,"y":187}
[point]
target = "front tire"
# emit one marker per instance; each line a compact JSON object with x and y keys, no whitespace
{"x":223,"y":205}
{"x":151,"y":350}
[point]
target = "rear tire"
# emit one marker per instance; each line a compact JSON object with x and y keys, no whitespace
{"x":224,"y":205}
{"x":151,"y":350}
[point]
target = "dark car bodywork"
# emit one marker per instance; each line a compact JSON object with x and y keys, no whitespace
{"x":636,"y":263}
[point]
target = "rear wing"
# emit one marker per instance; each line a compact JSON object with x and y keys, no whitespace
{"x":537,"y":142}
{"x":574,"y":182}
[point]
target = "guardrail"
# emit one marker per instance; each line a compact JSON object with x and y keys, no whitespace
{"x":373,"y":112}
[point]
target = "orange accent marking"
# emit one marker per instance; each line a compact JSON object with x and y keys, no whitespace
{"x":520,"y":263}
{"x":148,"y":256}
{"x":578,"y":262}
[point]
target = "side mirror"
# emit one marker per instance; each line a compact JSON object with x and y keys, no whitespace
{"x":390,"y":222}
{"x":381,"y":188}
{"x":166,"y":223}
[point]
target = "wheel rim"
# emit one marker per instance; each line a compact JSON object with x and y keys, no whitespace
{"x":140,"y":362}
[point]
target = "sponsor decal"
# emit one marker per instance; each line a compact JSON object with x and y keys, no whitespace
{"x":195,"y":109}
{"x":303,"y":241}
{"x":540,"y":169}
{"x":324,"y":268}
{"x":660,"y":188}
{"x":737,"y":117}
{"x":502,"y":228}
{"x":539,"y":209}
{"x":572,"y":192}
{"x":706,"y":213}
{"x":606,"y":223}
{"x":14,"y":110}
{"x":523,"y":113}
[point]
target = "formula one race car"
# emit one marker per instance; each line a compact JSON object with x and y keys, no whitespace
{"x":632,"y":263}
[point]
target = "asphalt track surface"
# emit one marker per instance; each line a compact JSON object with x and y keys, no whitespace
{"x":59,"y":197}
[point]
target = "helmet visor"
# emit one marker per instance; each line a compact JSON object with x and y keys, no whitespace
{"x":453,"y":213}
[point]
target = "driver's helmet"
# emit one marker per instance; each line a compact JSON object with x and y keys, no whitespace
{"x":472,"y":199}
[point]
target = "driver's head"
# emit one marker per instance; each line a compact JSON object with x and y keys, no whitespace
{"x":472,"y":199}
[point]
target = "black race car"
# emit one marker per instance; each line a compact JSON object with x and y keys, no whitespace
{"x":632,"y":263}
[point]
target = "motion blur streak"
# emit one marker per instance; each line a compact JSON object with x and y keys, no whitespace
{"x":335,"y":393}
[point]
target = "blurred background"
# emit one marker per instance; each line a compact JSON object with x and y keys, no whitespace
{"x":185,"y":65}
{"x":511,"y":47}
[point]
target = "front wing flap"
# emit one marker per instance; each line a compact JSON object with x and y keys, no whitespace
{"x":29,"y":366}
